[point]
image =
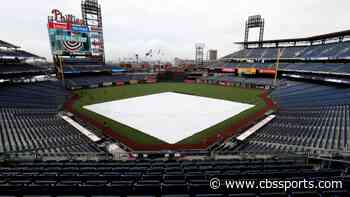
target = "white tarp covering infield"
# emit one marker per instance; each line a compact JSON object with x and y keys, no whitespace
{"x":169,"y":116}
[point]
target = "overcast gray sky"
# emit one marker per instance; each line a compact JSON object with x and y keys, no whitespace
{"x":174,"y":26}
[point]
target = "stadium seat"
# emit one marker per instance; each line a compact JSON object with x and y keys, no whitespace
{"x":305,"y":194}
{"x":32,"y":125}
{"x":274,"y":195}
{"x":176,"y":195}
{"x":312,"y":118}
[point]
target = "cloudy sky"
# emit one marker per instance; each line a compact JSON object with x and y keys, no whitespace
{"x":174,"y":26}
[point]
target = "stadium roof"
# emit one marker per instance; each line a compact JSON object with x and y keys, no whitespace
{"x":8,"y":45}
{"x":306,"y":39}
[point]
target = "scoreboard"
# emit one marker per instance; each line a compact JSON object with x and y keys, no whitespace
{"x":71,"y":36}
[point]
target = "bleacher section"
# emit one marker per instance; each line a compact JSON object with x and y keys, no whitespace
{"x":29,"y":122}
{"x":76,"y":69}
{"x":17,"y":53}
{"x":312,"y":118}
{"x":77,"y":66}
{"x":327,"y":51}
{"x":20,"y":68}
{"x":247,"y":65}
{"x":230,"y":80}
{"x":161,"y":178}
{"x":13,"y":62}
{"x":100,"y":81}
{"x":324,"y":54}
{"x":31,"y":95}
{"x":317,"y":67}
{"x":298,"y":94}
{"x":325,"y":68}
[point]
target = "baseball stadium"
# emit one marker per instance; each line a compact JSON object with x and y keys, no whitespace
{"x":274,"y":113}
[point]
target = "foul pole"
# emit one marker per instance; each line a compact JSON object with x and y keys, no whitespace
{"x":279,"y":54}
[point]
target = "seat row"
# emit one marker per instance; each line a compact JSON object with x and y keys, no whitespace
{"x":97,"y":179}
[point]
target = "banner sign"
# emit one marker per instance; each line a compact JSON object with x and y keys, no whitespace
{"x":69,"y":18}
{"x":81,"y":29}
{"x":64,"y":26}
{"x":94,"y":29}
{"x":267,"y":71}
{"x":248,"y":71}
{"x":229,"y":70}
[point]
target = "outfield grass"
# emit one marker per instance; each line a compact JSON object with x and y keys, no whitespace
{"x":93,"y":96}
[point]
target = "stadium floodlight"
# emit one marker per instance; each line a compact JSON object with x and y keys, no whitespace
{"x":199,"y":59}
{"x":255,"y":21}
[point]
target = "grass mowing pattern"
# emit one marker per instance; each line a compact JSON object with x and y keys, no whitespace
{"x":101,"y":95}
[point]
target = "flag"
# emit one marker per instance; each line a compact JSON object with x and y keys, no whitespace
{"x":149,"y":53}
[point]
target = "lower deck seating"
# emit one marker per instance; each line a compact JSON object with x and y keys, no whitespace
{"x":43,"y":95}
{"x":29,"y":122}
{"x":317,"y":67}
{"x":87,"y":81}
{"x":158,"y":178}
{"x":311,"y":118}
{"x":305,"y":130}
{"x":243,"y":82}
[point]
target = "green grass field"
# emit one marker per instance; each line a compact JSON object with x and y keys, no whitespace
{"x":93,"y":96}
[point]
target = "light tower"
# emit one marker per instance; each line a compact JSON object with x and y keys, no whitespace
{"x":91,"y":11}
{"x":255,"y":21}
{"x":199,"y":59}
